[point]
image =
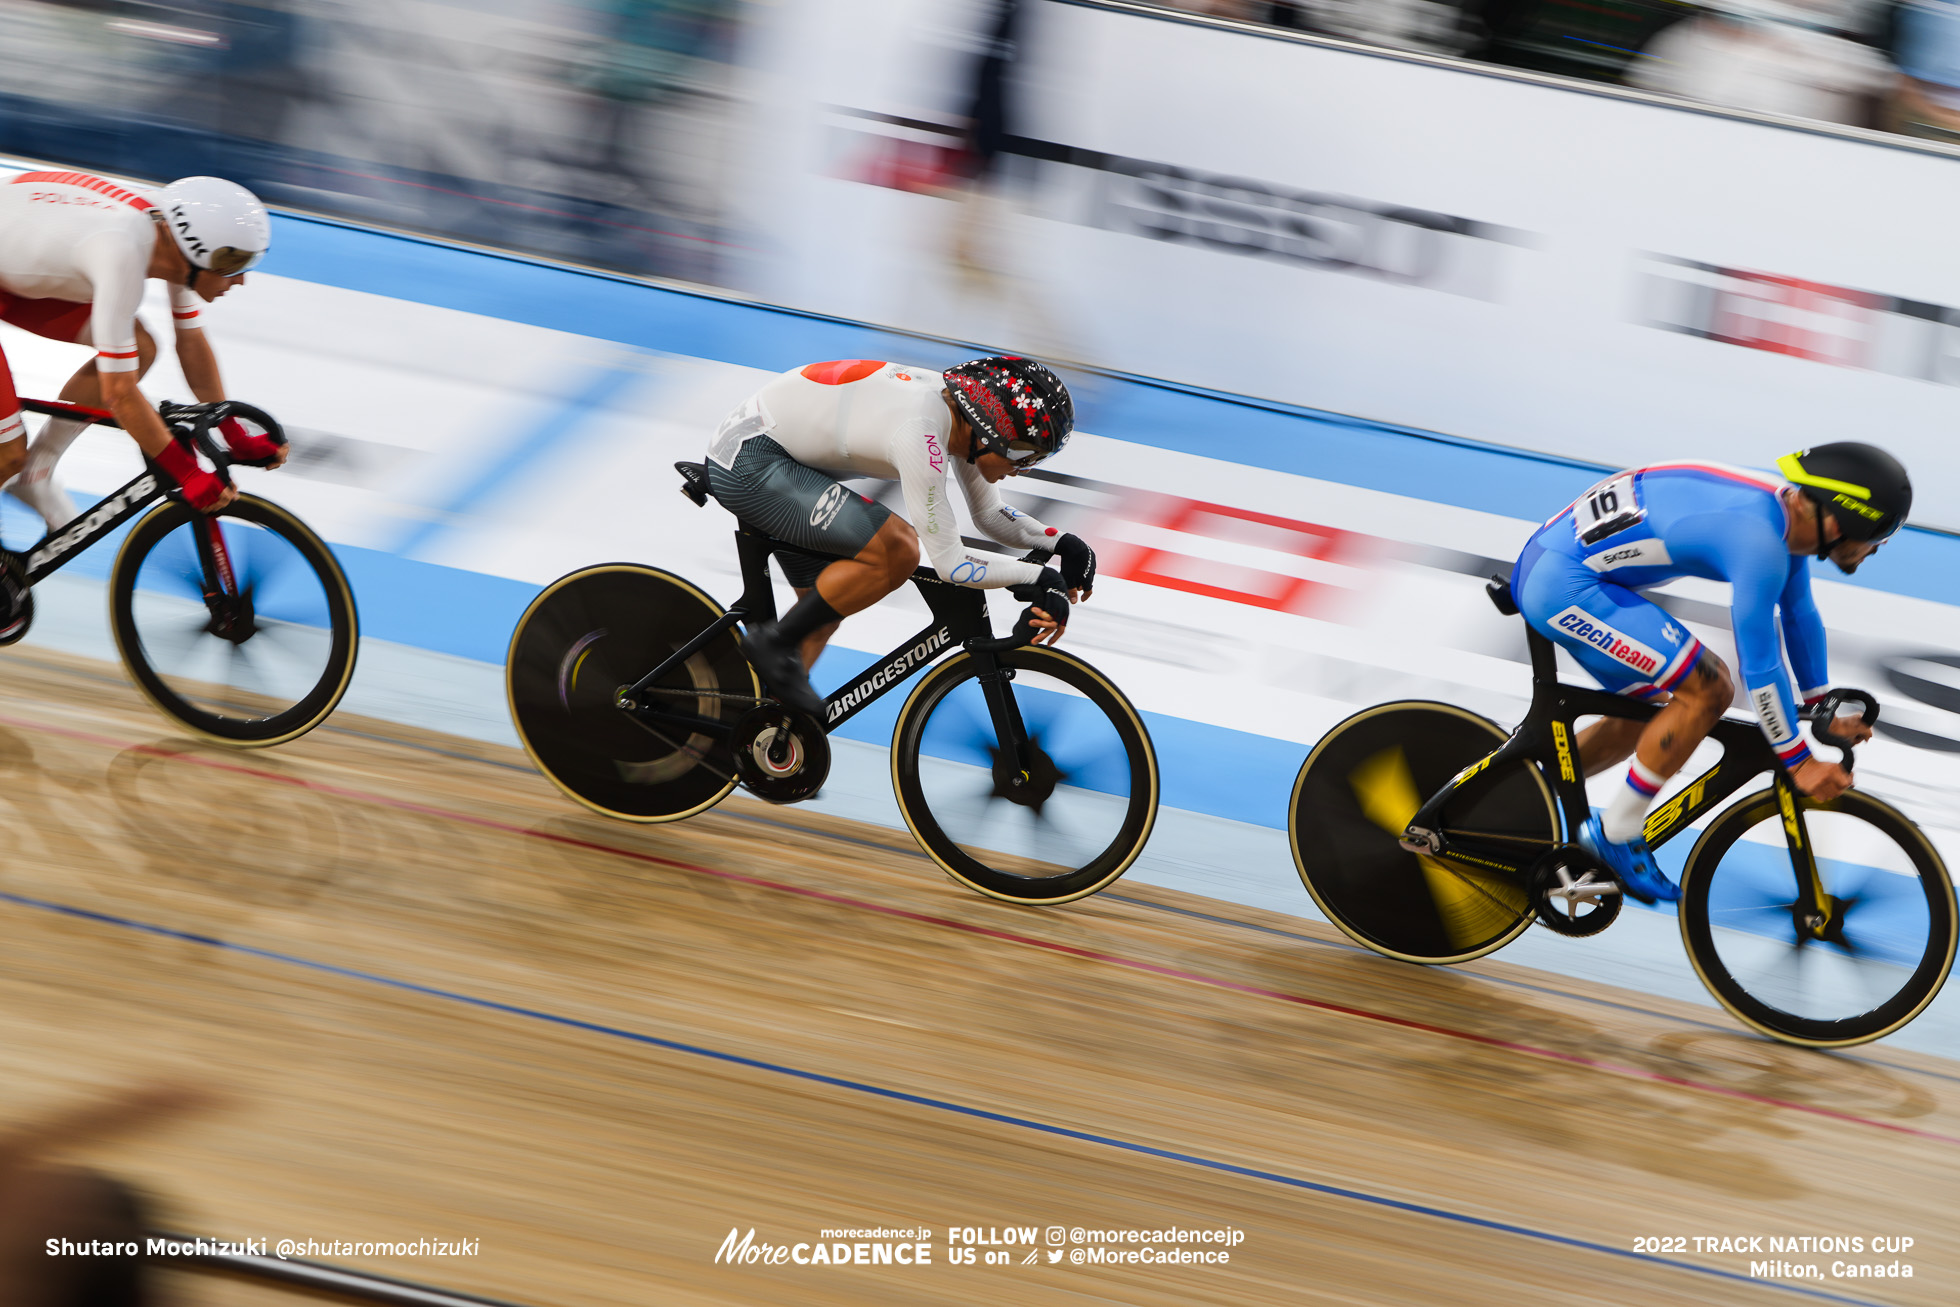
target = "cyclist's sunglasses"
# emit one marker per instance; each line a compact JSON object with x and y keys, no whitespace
{"x":230,"y":261}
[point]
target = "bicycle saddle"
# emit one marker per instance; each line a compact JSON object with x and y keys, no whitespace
{"x":1499,"y":590}
{"x":694,"y":482}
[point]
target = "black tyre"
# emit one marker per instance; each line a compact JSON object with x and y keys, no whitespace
{"x":1890,"y":940}
{"x":1058,"y":825}
{"x":255,"y":657}
{"x":591,"y":634}
{"x":1355,"y":795}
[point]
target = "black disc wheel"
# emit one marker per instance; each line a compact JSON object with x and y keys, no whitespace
{"x":1852,"y":967}
{"x":1043,"y":796}
{"x":590,"y":636}
{"x":1354,"y":797}
{"x":239,"y":624}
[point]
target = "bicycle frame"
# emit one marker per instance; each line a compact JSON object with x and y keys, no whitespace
{"x":56,"y":548}
{"x":1548,"y":739}
{"x":959,"y":618}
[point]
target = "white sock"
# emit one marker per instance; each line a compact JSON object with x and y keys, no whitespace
{"x":36,"y":486}
{"x":1626,"y":816}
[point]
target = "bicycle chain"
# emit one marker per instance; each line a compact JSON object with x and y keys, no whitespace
{"x":702,"y":694}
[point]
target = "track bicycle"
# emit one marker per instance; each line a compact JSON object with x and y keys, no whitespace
{"x":237,"y":624}
{"x":1425,"y":833}
{"x":1023,"y":771}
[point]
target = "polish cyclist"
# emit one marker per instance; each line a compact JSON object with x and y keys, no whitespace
{"x":76,"y":251}
{"x":775,"y":461}
{"x":1578,"y":582}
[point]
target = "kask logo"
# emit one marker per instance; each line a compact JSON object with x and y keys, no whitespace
{"x":1583,"y":626}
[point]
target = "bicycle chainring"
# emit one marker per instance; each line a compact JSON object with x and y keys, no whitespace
{"x":780,"y":755}
{"x":1571,"y":893}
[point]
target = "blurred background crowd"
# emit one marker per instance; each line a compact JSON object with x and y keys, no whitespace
{"x":1887,"y":64}
{"x":602,"y":131}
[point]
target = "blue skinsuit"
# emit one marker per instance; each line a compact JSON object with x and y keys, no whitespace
{"x":1577,"y":579}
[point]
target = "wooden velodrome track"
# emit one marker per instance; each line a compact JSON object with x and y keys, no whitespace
{"x":446,"y":1003}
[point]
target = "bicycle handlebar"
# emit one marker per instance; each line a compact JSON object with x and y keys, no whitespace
{"x":191,"y":425}
{"x":1830,"y":708}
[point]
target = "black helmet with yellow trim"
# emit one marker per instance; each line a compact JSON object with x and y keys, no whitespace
{"x":1860,"y":485}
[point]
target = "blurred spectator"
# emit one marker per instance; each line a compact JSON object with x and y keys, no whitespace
{"x":1593,"y":39}
{"x":1926,"y":46}
{"x":40,"y":1201}
{"x":1767,"y":56}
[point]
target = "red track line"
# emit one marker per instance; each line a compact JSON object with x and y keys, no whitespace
{"x":988,"y":932}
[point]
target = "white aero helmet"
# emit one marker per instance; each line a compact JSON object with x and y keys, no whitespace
{"x":220,"y":226}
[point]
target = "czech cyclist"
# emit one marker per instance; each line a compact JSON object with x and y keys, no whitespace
{"x":774,"y":464}
{"x":75,"y":253}
{"x":1578,"y":579}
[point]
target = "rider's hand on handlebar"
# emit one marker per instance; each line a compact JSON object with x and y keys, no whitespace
{"x":1046,"y":629}
{"x":1047,"y":613}
{"x":1078,"y":567}
{"x":1822,"y":780}
{"x":1850,"y":726}
{"x":251,"y":447}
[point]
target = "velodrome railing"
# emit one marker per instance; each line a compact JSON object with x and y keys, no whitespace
{"x":311,"y":1279}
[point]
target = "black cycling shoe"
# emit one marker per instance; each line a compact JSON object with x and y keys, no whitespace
{"x":775,"y":661}
{"x":16,"y":598}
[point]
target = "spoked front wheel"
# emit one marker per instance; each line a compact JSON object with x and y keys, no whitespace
{"x":1856,"y":966}
{"x":238,"y":624}
{"x":1054,"y":816}
{"x":596,"y":632}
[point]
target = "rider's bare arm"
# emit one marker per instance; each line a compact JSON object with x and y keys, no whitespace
{"x":200,"y":364}
{"x":123,"y":398}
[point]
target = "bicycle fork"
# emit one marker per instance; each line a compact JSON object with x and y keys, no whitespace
{"x":1813,"y":911}
{"x":230,"y":608}
{"x":1023,"y":773}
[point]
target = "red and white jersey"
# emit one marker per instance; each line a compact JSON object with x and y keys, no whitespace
{"x":77,"y":237}
{"x":863,"y":418}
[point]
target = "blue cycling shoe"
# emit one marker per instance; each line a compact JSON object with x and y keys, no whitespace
{"x":1633,"y":862}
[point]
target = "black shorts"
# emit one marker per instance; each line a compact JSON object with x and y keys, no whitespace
{"x":772,"y":492}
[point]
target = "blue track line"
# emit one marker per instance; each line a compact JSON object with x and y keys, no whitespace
{"x":916,"y":1100}
{"x":545,"y":437}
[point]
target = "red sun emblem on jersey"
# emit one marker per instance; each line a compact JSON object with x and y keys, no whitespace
{"x":841,"y":372}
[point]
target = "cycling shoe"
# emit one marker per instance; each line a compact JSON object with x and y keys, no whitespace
{"x":775,"y":661}
{"x":1633,"y":862}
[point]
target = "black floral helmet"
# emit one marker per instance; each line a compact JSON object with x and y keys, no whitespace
{"x":1017,"y":408}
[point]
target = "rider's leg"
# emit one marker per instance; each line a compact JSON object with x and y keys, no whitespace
{"x":37,"y":487}
{"x":1665,"y":744}
{"x":807,"y":508}
{"x":13,"y":431}
{"x":1631,"y":646}
{"x":13,"y":446}
{"x":1607,"y":742}
{"x":851,"y":585}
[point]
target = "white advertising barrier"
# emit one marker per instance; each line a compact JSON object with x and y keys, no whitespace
{"x":1417,"y":243}
{"x":1248,"y":611}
